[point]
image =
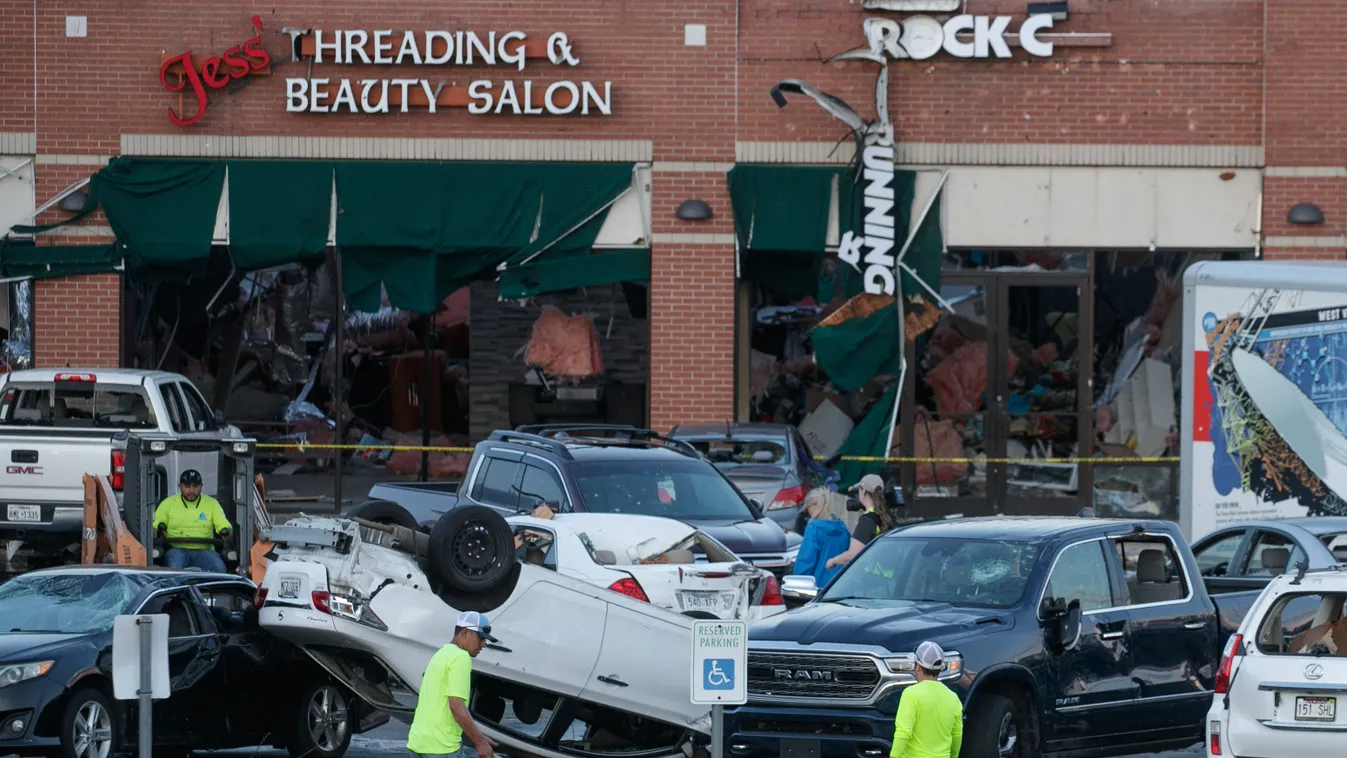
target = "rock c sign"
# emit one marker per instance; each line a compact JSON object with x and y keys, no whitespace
{"x":214,"y":72}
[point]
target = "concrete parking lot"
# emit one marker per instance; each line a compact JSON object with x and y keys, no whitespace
{"x":391,"y":739}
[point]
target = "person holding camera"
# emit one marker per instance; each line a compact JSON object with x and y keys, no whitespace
{"x":874,"y":519}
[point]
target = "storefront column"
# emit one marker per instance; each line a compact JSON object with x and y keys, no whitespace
{"x":77,"y":322}
{"x":692,"y":289}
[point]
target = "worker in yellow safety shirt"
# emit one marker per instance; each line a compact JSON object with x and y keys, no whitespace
{"x":930,"y":717}
{"x":191,"y":515}
{"x":441,"y":718}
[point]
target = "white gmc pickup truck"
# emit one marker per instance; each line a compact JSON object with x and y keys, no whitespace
{"x":56,"y":425}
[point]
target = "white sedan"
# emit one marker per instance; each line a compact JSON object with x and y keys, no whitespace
{"x":650,"y":558}
{"x":578,"y":668}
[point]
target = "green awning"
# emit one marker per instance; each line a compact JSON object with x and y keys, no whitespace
{"x":423,"y":230}
{"x":564,"y":273}
{"x":781,"y":223}
{"x":162,"y":210}
{"x":23,"y":258}
{"x":279,"y":212}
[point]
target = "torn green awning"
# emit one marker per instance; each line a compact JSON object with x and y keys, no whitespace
{"x":565,"y":273}
{"x":162,"y":210}
{"x":419,"y":229}
{"x":279,"y":212}
{"x":781,"y":223}
{"x":23,"y":258}
{"x":423,"y":230}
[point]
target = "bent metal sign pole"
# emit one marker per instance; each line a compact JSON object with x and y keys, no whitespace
{"x":916,"y":38}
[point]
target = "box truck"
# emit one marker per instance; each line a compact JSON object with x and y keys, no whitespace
{"x":1264,"y":419}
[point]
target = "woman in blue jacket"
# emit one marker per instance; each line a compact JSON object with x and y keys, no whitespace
{"x":826,"y":536}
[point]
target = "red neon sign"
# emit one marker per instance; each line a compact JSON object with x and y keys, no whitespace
{"x":215,"y":72}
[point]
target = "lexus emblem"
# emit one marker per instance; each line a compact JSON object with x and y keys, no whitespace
{"x":1314,"y":671}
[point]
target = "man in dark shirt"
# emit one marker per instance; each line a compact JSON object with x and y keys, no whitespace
{"x":873,"y":520}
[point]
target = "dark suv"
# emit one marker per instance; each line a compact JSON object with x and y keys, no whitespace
{"x":596,"y":469}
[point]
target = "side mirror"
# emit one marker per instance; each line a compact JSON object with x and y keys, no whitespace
{"x":1066,"y":618}
{"x":799,"y":588}
{"x":759,"y":509}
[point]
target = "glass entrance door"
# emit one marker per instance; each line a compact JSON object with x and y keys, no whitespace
{"x":946,"y":407}
{"x":1042,"y":393}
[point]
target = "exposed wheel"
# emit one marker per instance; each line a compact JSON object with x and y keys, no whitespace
{"x":384,"y":512}
{"x":323,"y":724}
{"x":471,"y":549}
{"x":482,"y":602}
{"x":88,"y":726}
{"x":998,"y":728}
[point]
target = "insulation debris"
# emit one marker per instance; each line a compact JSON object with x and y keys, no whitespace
{"x":565,"y":347}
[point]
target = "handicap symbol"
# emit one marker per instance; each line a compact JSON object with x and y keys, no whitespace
{"x":718,"y":673}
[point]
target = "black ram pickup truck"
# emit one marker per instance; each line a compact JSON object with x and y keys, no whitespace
{"x":1079,"y":636}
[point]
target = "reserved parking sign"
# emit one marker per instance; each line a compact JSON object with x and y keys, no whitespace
{"x":719,"y":662}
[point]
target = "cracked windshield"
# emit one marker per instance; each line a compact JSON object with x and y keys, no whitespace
{"x":990,"y":573}
{"x":66,"y":603}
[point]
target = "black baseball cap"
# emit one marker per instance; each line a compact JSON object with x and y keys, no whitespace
{"x":190,"y":476}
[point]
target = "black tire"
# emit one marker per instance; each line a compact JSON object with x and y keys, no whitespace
{"x":324,"y":722}
{"x":997,"y":728}
{"x":482,"y":602}
{"x":471,"y":550}
{"x":384,"y":512}
{"x":88,"y":723}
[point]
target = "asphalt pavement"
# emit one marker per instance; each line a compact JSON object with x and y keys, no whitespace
{"x":391,"y":739}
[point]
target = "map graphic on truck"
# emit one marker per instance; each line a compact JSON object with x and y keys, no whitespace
{"x":1269,"y":405}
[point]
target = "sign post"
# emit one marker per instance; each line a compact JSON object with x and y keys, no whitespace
{"x":719,"y":672}
{"x":140,"y":667}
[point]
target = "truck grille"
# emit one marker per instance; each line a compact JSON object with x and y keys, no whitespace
{"x":811,"y":675}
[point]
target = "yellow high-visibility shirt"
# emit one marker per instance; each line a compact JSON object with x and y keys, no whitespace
{"x":929,"y":723}
{"x":434,"y":730}
{"x":199,"y":520}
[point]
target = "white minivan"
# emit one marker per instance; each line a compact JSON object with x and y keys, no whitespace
{"x":1282,"y":681}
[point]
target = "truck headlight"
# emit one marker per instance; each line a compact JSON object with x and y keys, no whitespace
{"x":14,"y":673}
{"x":907,"y":664}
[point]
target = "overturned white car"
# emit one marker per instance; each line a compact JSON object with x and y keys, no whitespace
{"x":650,"y":558}
{"x":578,"y":668}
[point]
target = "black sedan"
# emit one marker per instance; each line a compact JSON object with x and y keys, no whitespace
{"x":233,"y":684}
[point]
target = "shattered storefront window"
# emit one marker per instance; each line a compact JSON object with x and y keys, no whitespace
{"x":1136,"y":491}
{"x":16,"y":350}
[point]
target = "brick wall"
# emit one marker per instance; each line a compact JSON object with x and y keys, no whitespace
{"x":500,"y":330}
{"x":1306,"y":111}
{"x":76,"y":322}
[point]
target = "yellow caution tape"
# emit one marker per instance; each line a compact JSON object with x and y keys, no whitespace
{"x":852,"y":458}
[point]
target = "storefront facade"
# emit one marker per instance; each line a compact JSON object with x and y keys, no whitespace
{"x":1122,"y":129}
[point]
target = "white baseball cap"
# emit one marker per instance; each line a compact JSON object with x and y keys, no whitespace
{"x":930,"y":656}
{"x":474,"y":621}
